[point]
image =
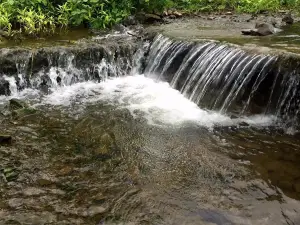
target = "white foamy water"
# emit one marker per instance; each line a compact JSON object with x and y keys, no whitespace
{"x":155,"y":101}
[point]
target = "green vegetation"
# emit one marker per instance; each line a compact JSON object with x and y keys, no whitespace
{"x":42,"y":17}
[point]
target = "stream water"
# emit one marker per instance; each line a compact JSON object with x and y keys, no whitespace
{"x":134,"y":150}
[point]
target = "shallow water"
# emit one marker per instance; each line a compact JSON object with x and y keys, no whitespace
{"x":134,"y":151}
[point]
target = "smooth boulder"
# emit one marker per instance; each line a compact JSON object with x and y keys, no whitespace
{"x":261,"y":29}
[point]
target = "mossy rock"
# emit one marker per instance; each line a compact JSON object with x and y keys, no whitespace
{"x":19,"y":113}
{"x":15,"y":104}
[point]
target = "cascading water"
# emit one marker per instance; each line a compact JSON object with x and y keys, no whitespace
{"x":99,"y":136}
{"x":215,"y":76}
{"x":224,"y":78}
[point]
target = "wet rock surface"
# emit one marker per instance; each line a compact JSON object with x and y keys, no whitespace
{"x":84,"y":57}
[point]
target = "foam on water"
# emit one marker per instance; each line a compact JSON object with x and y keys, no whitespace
{"x":155,"y":101}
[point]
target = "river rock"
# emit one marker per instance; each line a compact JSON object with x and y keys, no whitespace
{"x":4,"y":87}
{"x":5,"y":139}
{"x":261,"y":29}
{"x":15,"y":104}
{"x":130,"y":21}
{"x":264,"y":29}
{"x":19,"y":113}
{"x":149,"y":18}
{"x":288,"y":19}
{"x":107,"y":144}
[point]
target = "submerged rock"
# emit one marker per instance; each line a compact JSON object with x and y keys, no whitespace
{"x":107,"y":143}
{"x":23,"y":112}
{"x":5,"y":139}
{"x":15,"y":104}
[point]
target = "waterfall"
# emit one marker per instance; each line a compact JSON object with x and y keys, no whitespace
{"x":216,"y":76}
{"x":226,"y":78}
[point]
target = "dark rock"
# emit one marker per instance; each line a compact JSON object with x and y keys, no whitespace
{"x":19,"y":113}
{"x":15,"y":104}
{"x":172,"y":17}
{"x":288,"y":19}
{"x":120,"y":28}
{"x":244,"y":124}
{"x":251,"y":32}
{"x":149,"y":18}
{"x":234,"y":117}
{"x":4,"y":87}
{"x":5,"y":139}
{"x":130,"y":21}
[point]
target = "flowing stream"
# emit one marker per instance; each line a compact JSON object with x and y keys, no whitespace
{"x":171,"y":132}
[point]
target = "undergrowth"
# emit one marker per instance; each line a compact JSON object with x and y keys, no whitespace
{"x":40,"y":17}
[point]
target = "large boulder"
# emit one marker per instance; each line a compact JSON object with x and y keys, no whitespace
{"x":261,"y":29}
{"x":264,"y":29}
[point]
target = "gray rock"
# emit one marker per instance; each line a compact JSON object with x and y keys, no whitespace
{"x":264,"y":29}
{"x":261,"y":29}
{"x":288,"y":19}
